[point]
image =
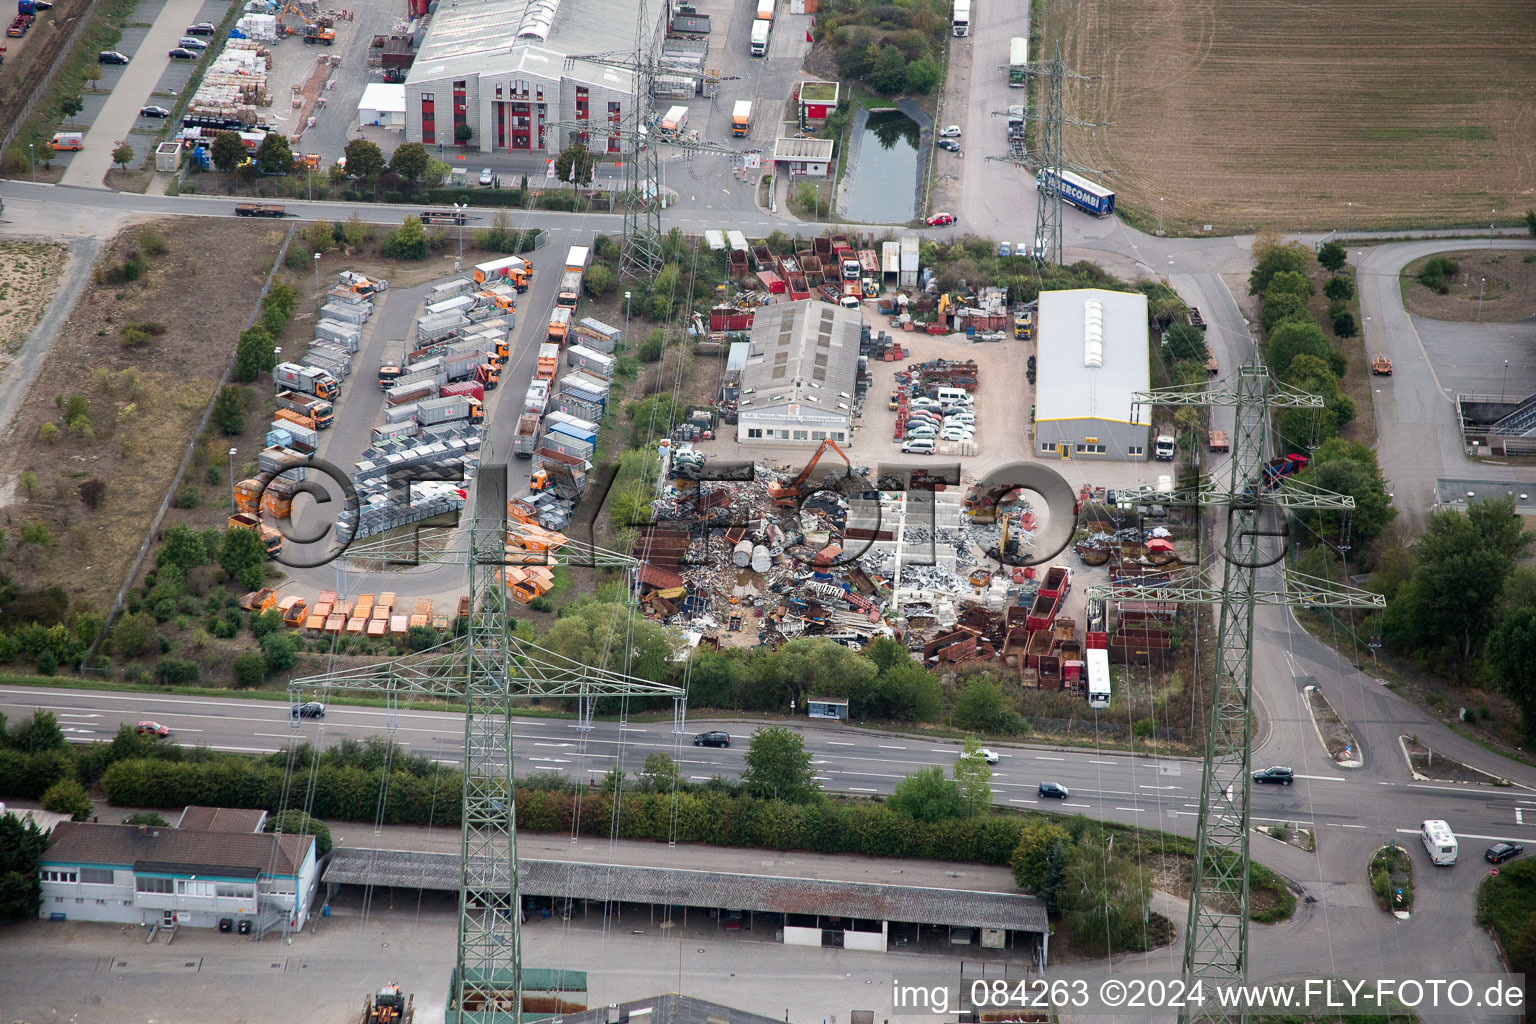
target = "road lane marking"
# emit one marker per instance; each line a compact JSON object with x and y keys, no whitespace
{"x":1145,"y":786}
{"x":856,"y":789}
{"x":1075,"y":805}
{"x":1018,"y":801}
{"x":1519,"y":816}
{"x":1323,"y":778}
{"x":243,"y":750}
{"x":840,"y":743}
{"x":1103,"y":762}
{"x":703,"y":778}
{"x":886,"y":746}
{"x":273,"y":735}
{"x":1339,"y":824}
{"x":1138,"y":810}
{"x":1042,"y":757}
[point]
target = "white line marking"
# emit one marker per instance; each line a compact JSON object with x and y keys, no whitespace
{"x":1337,"y":824}
{"x":1519,"y":816}
{"x":703,"y":778}
{"x":1023,"y":801}
{"x":1322,"y":778}
{"x":1138,"y":810}
{"x":856,"y":789}
{"x":840,"y":743}
{"x":1103,"y":762}
{"x":273,"y":735}
{"x":1074,"y":805}
{"x":1042,"y":757}
{"x":886,"y":746}
{"x":243,"y":750}
{"x":1145,"y":786}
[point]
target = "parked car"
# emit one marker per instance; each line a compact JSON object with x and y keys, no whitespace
{"x":1004,"y":249}
{"x":1054,"y":790}
{"x":1498,"y":853}
{"x":309,"y":709}
{"x":949,"y":131}
{"x":949,"y":144}
{"x":487,"y":176}
{"x":111,"y":57}
{"x":941,"y":220}
{"x":712,"y":739}
{"x":182,"y":53}
{"x":918,"y":446}
{"x":924,"y":403}
{"x":192,"y":43}
{"x":202,"y":28}
{"x":152,"y":729}
{"x":1275,"y":773}
{"x":956,"y":434}
{"x":153,"y":111}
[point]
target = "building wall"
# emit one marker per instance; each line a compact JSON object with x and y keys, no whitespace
{"x":802,"y":936}
{"x":492,"y":114}
{"x":805,"y":429}
{"x":1120,"y":440}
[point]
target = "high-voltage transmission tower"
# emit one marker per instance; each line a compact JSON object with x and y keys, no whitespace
{"x":1051,"y":120}
{"x":486,"y":670}
{"x":1256,"y":504}
{"x":640,"y":256}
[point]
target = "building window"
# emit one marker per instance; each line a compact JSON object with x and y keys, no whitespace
{"x":1134,"y":449}
{"x":127,"y":903}
{"x":1081,"y":446}
{"x":460,"y":109}
{"x":160,"y":885}
{"x":231,"y":890}
{"x":428,"y":118}
{"x":754,"y":432}
{"x":96,"y":876}
{"x":192,"y":887}
{"x":1047,"y":446}
{"x":60,"y":876}
{"x":101,"y":903}
{"x":58,"y":899}
{"x":818,"y":435}
{"x":837,"y":435}
{"x":799,"y":435}
{"x":79,"y":899}
{"x":581,"y":103}
{"x":782,"y":435}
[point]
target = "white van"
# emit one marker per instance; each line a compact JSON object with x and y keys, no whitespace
{"x":918,"y":446}
{"x":1439,"y":840}
{"x":949,"y":395}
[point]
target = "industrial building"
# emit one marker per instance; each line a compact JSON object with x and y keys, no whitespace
{"x":801,"y":370}
{"x":382,"y":105}
{"x":503,"y":68}
{"x":215,"y":869}
{"x":1092,"y":360}
{"x":804,"y":158}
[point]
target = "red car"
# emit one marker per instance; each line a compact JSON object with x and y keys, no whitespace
{"x":153,"y":729}
{"x":940,"y":220}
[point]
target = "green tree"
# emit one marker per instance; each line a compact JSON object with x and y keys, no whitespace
{"x":1530,"y":221}
{"x":294,"y":822}
{"x":575,"y":164}
{"x":887,"y":69}
{"x":812,"y":667}
{"x":243,"y":557}
{"x":1271,"y":258}
{"x":410,"y":161}
{"x":121,"y":154}
{"x":274,"y":155}
{"x":1512,"y":657}
{"x":364,"y":159}
{"x":1103,"y":898}
{"x":905,"y":693}
{"x":1297,"y":337}
{"x":278,"y":650}
{"x":228,"y":152}
{"x":1054,"y":877}
{"x":926,"y":795}
{"x":68,"y":797}
{"x":923,"y":75}
{"x":420,"y":638}
{"x":229,"y":410}
{"x":1289,"y":282}
{"x":1344,"y":325}
{"x":182,"y":547}
{"x":407,"y":242}
{"x":1332,"y":256}
{"x":887,"y":653}
{"x":462,"y":133}
{"x":149,"y":818}
{"x":248,"y":669}
{"x":1185,"y":341}
{"x":973,"y":779}
{"x":1339,"y":289}
{"x":598,"y":281}
{"x":981,"y":707}
{"x":254,"y":353}
{"x":660,"y":773}
{"x":779,"y":767}
{"x":132,"y":634}
{"x":1347,"y":467}
{"x":1037,"y":838}
{"x":601,"y":634}
{"x":37,"y":734}
{"x":21,"y":853}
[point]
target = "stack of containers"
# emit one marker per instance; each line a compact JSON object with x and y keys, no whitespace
{"x":570,"y":435}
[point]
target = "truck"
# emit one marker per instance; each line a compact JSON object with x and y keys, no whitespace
{"x":559,"y":325}
{"x":526,"y":438}
{"x":446,"y":410}
{"x":577,"y":256}
{"x":570,"y":289}
{"x":536,"y":400}
{"x":1218,"y":441}
{"x":759,"y":38}
{"x":469,"y":388}
{"x":411,"y":393}
{"x":1195,"y":318}
{"x":961,"y":20}
{"x":271,"y":539}
{"x":389,"y":1006}
{"x":1164,"y":446}
{"x":512,"y":268}
{"x":1018,"y":58}
{"x":741,"y":118}
{"x":549,"y":362}
{"x":672,"y":122}
{"x":765,"y":10}
{"x":392,"y":365}
{"x":309,"y":380}
{"x":260,"y":210}
{"x":67,"y":141}
{"x":318,"y":411}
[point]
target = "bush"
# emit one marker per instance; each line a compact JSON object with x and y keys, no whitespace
{"x":598,"y":281}
{"x":1344,"y":325}
{"x":229,"y":410}
{"x":188,"y":497}
{"x":541,"y":604}
{"x":149,"y":818}
{"x":48,"y":433}
{"x":248,"y":669}
{"x":213,"y":475}
{"x":132,"y":635}
{"x":279,"y":649}
{"x":652,"y":347}
{"x":407,"y":242}
{"x":1435,"y":271}
{"x":1339,"y":288}
{"x":174,"y":671}
{"x":68,"y":797}
{"x":295,"y":822}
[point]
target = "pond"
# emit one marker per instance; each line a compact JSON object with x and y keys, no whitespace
{"x":880,"y":184}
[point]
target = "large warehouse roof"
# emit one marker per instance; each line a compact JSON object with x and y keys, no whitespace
{"x":803,"y":355}
{"x":499,"y":37}
{"x":1093,"y":355}
{"x":764,"y":893}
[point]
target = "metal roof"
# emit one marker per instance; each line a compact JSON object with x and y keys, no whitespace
{"x":502,"y":37}
{"x":1084,"y":326}
{"x":761,"y":893}
{"x":803,"y":149}
{"x":804,"y":359}
{"x":173,"y":851}
{"x":1451,"y":493}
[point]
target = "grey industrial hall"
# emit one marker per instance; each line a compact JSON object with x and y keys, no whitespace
{"x":1092,"y":360}
{"x":801,"y":372}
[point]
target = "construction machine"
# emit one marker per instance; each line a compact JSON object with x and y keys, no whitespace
{"x":786,"y":495}
{"x":390,"y":1006}
{"x":982,"y":505}
{"x":1007,"y":550}
{"x":1381,"y":366}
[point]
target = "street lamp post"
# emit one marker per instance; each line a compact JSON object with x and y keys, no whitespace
{"x":1348,"y":207}
{"x":232,"y":480}
{"x":1504,"y":381}
{"x":317,"y":279}
{"x":32,"y":149}
{"x":626,"y":320}
{"x":459,"y":216}
{"x":1481,"y":284}
{"x":1159,"y":216}
{"x":1492,"y":215}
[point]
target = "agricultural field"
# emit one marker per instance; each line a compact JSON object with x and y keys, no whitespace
{"x":29,"y":273}
{"x":119,"y":398}
{"x":1252,"y":115}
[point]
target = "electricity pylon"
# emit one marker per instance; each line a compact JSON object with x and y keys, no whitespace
{"x":640,"y":256}
{"x":487,"y":669}
{"x":1216,"y":938}
{"x":1048,"y":201}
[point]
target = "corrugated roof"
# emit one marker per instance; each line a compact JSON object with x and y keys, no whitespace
{"x":177,"y":851}
{"x":649,"y":575}
{"x":500,"y":37}
{"x":803,"y":149}
{"x":1075,"y":328}
{"x":762,"y":893}
{"x":222,"y":819}
{"x":803,"y":355}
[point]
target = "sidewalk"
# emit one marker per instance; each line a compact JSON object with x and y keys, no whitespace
{"x":90,"y":165}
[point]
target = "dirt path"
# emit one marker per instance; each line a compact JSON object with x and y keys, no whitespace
{"x":20,"y":374}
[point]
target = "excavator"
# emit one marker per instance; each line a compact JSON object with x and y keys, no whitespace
{"x":315,"y":32}
{"x":984,"y":504}
{"x":786,"y":495}
{"x":1007,"y":551}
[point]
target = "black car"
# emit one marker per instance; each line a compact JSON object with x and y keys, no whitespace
{"x":153,"y":111}
{"x":712,"y":739}
{"x":949,"y":144}
{"x":111,"y":57}
{"x":182,"y":53}
{"x":1054,"y":790}
{"x":202,"y":28}
{"x":1278,"y":773}
{"x":1498,"y":853}
{"x":309,"y":709}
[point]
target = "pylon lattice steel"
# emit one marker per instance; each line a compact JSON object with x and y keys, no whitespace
{"x":1216,"y":936}
{"x":487,"y":669}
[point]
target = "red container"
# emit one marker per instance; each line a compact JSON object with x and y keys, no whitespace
{"x":465,"y":387}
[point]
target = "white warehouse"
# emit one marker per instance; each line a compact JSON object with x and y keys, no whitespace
{"x":1092,"y":359}
{"x":802,"y":368}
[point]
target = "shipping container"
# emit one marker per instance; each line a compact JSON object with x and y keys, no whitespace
{"x":465,"y":387}
{"x":457,"y":304}
{"x":349,"y":336}
{"x":401,"y":413}
{"x":598,"y":336}
{"x":588,"y":359}
{"x":409,"y":394}
{"x":404,"y":429}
